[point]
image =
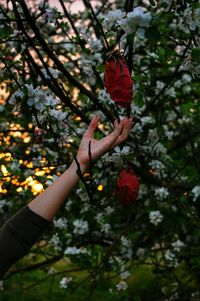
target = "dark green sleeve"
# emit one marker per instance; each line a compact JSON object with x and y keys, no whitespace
{"x":18,"y":235}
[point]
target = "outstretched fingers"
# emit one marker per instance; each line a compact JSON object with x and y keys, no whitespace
{"x":119,"y":134}
{"x":126,"y":127}
{"x":92,"y":127}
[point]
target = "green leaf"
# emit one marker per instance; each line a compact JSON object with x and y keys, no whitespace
{"x":196,"y":55}
{"x":161,"y":51}
{"x":100,"y":68}
{"x":138,"y":78}
{"x":5,"y":33}
{"x":153,"y":34}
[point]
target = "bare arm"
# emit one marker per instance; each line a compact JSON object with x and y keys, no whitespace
{"x":21,"y":231}
{"x":49,"y":202}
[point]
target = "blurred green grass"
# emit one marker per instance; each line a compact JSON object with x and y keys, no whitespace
{"x":142,"y":283}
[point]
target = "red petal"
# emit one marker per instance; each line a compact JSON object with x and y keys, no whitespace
{"x":128,"y":185}
{"x":118,"y":82}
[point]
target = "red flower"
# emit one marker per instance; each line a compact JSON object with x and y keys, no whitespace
{"x":117,"y":80}
{"x":128,"y":185}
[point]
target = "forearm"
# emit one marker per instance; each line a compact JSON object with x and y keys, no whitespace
{"x":48,"y":203}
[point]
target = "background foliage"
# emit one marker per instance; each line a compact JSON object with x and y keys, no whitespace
{"x":52,"y":64}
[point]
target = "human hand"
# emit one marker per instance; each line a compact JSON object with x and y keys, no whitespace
{"x":102,"y":146}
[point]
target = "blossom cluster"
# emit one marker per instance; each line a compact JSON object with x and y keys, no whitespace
{"x":155,"y":217}
{"x":162,"y":147}
{"x":137,"y":20}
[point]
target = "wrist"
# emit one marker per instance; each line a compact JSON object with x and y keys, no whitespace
{"x":80,"y":166}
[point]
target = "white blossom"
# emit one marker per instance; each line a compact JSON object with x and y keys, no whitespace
{"x":161,"y":193}
{"x":136,"y":18}
{"x":57,"y":114}
{"x":170,"y":92}
{"x":109,"y":210}
{"x":69,"y":46}
{"x":196,"y":192}
{"x":124,"y":274}
{"x":82,"y":194}
{"x":169,"y":134}
{"x":135,"y":109}
{"x":124,"y":151}
{"x":2,"y":16}
{"x":192,"y":17}
{"x":42,"y":116}
{"x":137,"y":128}
{"x":178,"y":83}
{"x":51,"y":101}
{"x":74,"y":251}
{"x":126,"y":249}
{"x":112,"y":18}
{"x":105,"y":227}
{"x":191,"y":66}
{"x":55,"y":241}
{"x":99,"y":217}
{"x":51,"y":72}
{"x":152,"y":54}
{"x":60,"y":223}
{"x":121,"y":286}
{"x":139,"y":18}
{"x":140,"y":252}
{"x":39,"y":99}
{"x":177,"y":245}
{"x":1,"y":285}
{"x":14,"y":165}
{"x":96,"y":45}
{"x":146,"y":120}
{"x":2,"y":204}
{"x":104,"y":97}
{"x":171,"y":258}
{"x":51,"y":271}
{"x":13,"y":99}
{"x":159,"y":148}
{"x":65,"y":282}
{"x":155,"y":217}
{"x":159,"y":86}
{"x":115,"y":158}
{"x":184,"y":120}
{"x":68,"y":204}
{"x":80,"y":226}
{"x":187,"y":89}
{"x":98,"y":58}
{"x":186,"y":78}
{"x":143,"y":191}
{"x":158,"y":167}
{"x":85,"y":208}
{"x":50,"y":15}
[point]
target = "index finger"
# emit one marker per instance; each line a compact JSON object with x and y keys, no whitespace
{"x":92,"y":127}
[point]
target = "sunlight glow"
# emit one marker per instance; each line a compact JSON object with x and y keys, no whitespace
{"x":100,"y":187}
{"x":37,"y":188}
{"x":4,"y":170}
